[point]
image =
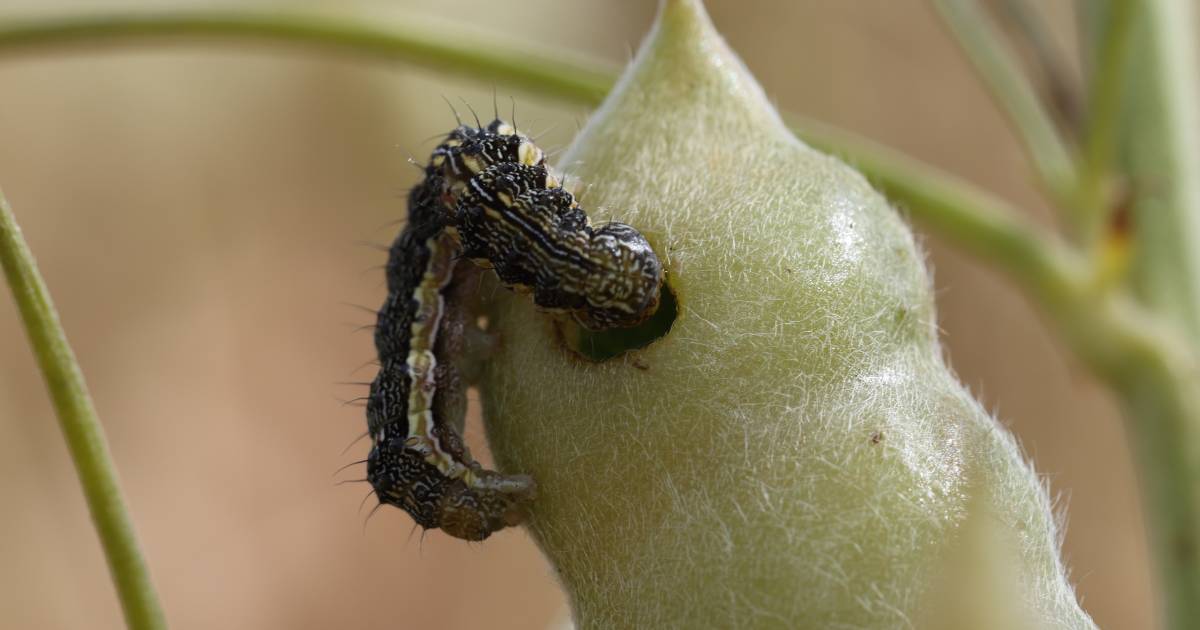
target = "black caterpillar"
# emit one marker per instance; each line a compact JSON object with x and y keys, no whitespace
{"x":487,"y":197}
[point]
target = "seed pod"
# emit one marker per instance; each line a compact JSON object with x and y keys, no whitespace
{"x":794,"y":452}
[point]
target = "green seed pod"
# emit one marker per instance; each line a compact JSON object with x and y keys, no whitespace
{"x":794,"y":452}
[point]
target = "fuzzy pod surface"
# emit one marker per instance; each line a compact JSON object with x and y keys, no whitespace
{"x":794,"y":452}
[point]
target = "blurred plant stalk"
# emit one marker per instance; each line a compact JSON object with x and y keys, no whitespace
{"x":81,"y":427}
{"x":1122,"y":283}
{"x":1156,"y":145}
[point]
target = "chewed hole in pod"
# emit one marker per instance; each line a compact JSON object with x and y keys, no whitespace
{"x":607,"y":344}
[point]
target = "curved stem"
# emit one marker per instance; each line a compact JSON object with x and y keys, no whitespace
{"x":1158,"y":147}
{"x":81,"y":427}
{"x":472,"y":54}
{"x":1011,"y":89}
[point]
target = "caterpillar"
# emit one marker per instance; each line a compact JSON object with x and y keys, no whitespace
{"x":512,"y":214}
{"x":488,"y":200}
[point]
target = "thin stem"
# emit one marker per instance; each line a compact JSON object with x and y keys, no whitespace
{"x":475,"y":55}
{"x":81,"y":427}
{"x":1160,"y":145}
{"x":1106,"y":89}
{"x":1000,"y":71}
{"x":1061,"y":89}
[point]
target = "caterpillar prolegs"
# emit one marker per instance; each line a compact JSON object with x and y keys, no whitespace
{"x":488,"y":198}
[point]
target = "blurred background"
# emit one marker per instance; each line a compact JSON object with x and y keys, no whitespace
{"x":198,"y":210}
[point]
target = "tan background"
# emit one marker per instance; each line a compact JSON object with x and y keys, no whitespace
{"x":195,"y":210}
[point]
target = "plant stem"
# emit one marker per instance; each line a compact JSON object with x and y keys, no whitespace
{"x":465,"y":54}
{"x":1011,"y":88}
{"x":1060,"y":85}
{"x":1107,"y":82}
{"x":1161,"y":152}
{"x":1166,"y":441}
{"x":1158,"y":146}
{"x":81,"y":427}
{"x":1154,"y":371}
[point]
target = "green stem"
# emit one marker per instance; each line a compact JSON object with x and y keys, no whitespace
{"x":1060,"y":85}
{"x":1002,"y":74}
{"x":472,"y":54}
{"x":1158,"y":146}
{"x":1161,"y":152}
{"x":80,"y":426}
{"x":1154,"y":371}
{"x":1166,"y":439}
{"x":1107,"y":82}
